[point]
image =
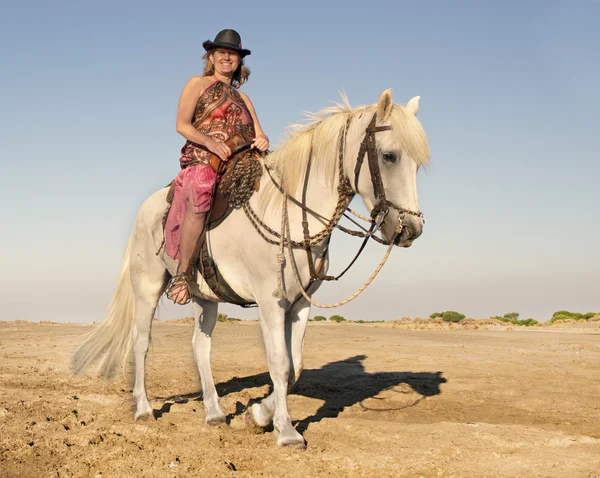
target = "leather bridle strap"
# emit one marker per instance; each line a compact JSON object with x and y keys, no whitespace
{"x":369,"y":148}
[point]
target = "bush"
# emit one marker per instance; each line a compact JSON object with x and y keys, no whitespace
{"x":452,"y":316}
{"x":589,"y":315}
{"x":319,"y":318}
{"x":565,"y":314}
{"x":368,"y":321}
{"x":435,"y":315}
{"x":337,"y":318}
{"x":511,"y":319}
{"x":221,"y":317}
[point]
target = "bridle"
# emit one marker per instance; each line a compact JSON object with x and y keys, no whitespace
{"x":382,"y":205}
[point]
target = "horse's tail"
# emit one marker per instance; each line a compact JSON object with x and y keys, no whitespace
{"x":112,"y":340}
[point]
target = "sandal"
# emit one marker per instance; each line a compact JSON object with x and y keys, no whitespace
{"x":177,"y":285}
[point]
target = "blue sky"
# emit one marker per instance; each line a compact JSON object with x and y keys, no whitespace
{"x":509,"y":103}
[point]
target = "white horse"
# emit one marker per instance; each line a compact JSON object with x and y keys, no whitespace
{"x":250,"y":264}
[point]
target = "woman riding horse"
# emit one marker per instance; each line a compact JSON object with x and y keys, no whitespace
{"x":211,"y":111}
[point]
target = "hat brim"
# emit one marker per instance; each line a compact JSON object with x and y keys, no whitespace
{"x":209,"y":45}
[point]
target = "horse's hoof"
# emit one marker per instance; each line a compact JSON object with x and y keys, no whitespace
{"x":251,"y":423}
{"x":291,"y":439}
{"x":145,"y":417}
{"x":260,"y":418}
{"x":292,"y":443}
{"x":216,"y":420}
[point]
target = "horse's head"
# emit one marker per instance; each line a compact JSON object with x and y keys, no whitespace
{"x":393,"y":146}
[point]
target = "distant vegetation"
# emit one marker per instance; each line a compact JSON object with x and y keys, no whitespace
{"x":438,"y":318}
{"x":452,"y":316}
{"x":448,"y":316}
{"x":566,"y":315}
{"x":513,"y":318}
{"x":221,"y":317}
{"x":337,"y":318}
{"x":318,"y":318}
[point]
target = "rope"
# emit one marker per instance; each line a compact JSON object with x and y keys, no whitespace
{"x":297,"y":275}
{"x":359,"y":216}
{"x":279,"y":292}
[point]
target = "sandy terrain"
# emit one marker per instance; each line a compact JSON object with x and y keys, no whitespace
{"x":373,"y":401}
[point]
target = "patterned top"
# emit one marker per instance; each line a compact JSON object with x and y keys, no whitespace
{"x":220,"y":113}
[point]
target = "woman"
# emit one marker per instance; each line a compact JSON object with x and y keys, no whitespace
{"x":211,"y":110}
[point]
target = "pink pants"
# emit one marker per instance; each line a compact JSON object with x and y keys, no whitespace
{"x":193,"y":187}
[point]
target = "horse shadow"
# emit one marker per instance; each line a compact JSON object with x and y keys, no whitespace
{"x":339,"y":385}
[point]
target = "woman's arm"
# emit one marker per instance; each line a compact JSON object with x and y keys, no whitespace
{"x":261,"y":142}
{"x":185,"y":113}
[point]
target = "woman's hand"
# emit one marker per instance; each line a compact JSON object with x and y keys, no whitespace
{"x":261,"y":142}
{"x":220,"y":149}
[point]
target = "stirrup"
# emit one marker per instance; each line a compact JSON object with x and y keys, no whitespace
{"x":178,"y":282}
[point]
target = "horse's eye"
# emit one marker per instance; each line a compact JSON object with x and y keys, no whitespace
{"x":390,"y":157}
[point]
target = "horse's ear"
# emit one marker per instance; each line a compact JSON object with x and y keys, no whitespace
{"x":384,"y":106}
{"x":413,"y":105}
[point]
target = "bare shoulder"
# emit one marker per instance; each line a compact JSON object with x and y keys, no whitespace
{"x":245,"y":97}
{"x":197,"y":83}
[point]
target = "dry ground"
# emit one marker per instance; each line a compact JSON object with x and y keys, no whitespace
{"x":373,"y":401}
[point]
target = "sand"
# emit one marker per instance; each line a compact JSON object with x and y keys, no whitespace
{"x":373,"y":401}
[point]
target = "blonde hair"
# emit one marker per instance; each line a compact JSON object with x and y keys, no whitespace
{"x":240,"y":76}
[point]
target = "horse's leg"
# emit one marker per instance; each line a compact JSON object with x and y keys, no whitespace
{"x":273,"y":329}
{"x":148,"y":279}
{"x":296,"y":320}
{"x":205,"y":320}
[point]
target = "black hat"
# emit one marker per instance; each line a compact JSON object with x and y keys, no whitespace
{"x":229,"y":39}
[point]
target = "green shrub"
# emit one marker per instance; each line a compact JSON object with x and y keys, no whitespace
{"x":435,"y":315}
{"x":337,"y":318}
{"x":319,"y":318}
{"x":221,"y":317}
{"x":589,"y":315}
{"x":452,"y":316}
{"x":360,"y":321}
{"x":570,"y":315}
{"x":509,"y":319}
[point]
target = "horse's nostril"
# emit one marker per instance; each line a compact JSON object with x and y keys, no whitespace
{"x":405,"y":235}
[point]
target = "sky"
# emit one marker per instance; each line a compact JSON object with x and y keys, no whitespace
{"x":509,"y":103}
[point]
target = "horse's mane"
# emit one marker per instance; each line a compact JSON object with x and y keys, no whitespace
{"x":319,"y":138}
